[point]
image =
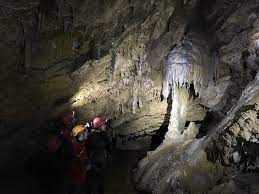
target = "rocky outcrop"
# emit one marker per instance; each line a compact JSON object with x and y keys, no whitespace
{"x":241,"y":184}
{"x":210,"y":160}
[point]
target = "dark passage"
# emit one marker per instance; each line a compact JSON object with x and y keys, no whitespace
{"x":119,"y":172}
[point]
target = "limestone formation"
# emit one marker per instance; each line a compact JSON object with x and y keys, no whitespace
{"x":185,"y":67}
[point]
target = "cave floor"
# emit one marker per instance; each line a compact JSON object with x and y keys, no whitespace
{"x":117,"y":180}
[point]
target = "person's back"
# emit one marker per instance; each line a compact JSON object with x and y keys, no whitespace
{"x":99,"y":148}
{"x":77,"y":169}
{"x":77,"y":172}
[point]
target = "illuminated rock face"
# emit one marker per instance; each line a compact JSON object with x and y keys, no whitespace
{"x":87,"y":56}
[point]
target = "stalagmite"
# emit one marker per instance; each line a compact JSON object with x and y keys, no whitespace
{"x":28,"y":55}
{"x":186,"y":64}
{"x":178,"y":113}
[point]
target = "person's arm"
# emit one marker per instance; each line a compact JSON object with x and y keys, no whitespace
{"x":108,"y":145}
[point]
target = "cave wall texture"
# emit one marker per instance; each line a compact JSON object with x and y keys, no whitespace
{"x":111,"y":58}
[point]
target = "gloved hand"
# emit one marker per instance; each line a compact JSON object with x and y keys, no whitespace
{"x":87,"y":125}
{"x":88,"y":165}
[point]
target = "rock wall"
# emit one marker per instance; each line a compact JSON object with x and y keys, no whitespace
{"x":78,"y":55}
{"x":109,"y":58}
{"x":233,"y":46}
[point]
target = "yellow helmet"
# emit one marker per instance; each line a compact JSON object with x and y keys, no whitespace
{"x":77,"y":129}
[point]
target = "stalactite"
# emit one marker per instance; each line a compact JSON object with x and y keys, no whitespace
{"x":113,"y":53}
{"x":44,"y":7}
{"x":41,"y":19}
{"x":24,"y":40}
{"x":27,"y":32}
{"x":135,"y":97}
{"x":167,"y":80}
{"x":20,"y":47}
{"x":60,"y":8}
{"x":28,"y":55}
{"x":187,"y":64}
{"x":179,"y":4}
{"x":214,"y":66}
{"x":68,"y":17}
{"x":140,"y":70}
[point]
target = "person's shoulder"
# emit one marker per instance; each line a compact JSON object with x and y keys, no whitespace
{"x":104,"y":133}
{"x":91,"y":135}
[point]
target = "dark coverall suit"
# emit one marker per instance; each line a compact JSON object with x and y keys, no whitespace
{"x":99,"y":149}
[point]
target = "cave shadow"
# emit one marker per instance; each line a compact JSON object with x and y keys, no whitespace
{"x":211,"y":119}
{"x":159,"y":135}
{"x":232,"y":94}
{"x":45,"y":168}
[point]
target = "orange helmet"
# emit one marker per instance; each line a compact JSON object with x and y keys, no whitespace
{"x":77,"y":129}
{"x":98,"y":122}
